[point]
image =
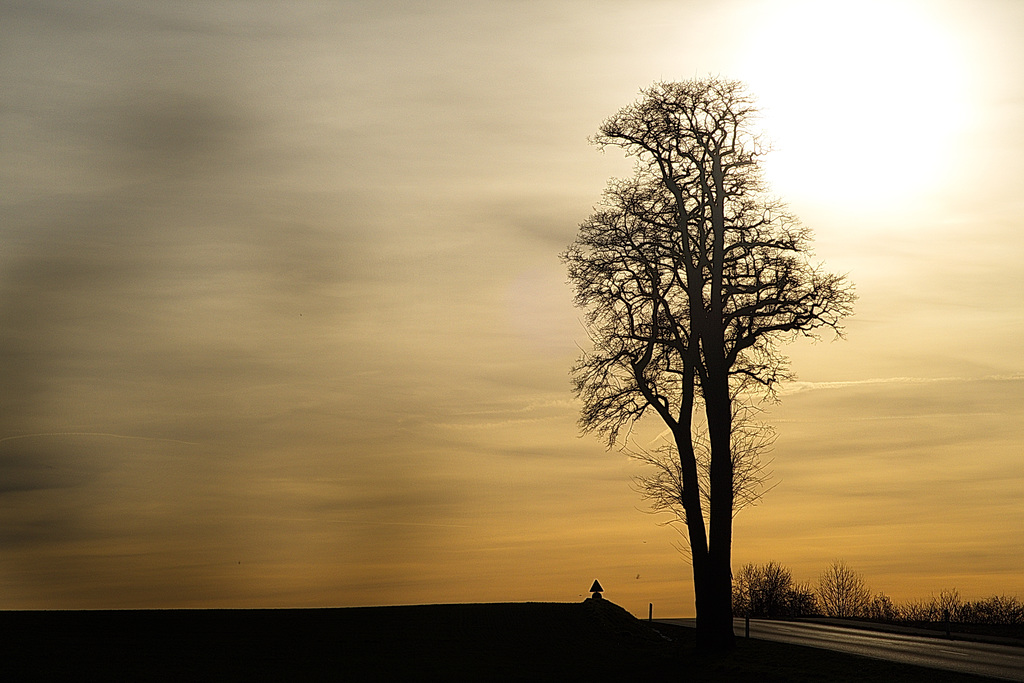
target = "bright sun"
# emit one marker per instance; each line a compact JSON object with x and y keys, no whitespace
{"x":864,"y":101}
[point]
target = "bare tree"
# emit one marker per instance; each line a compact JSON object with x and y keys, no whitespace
{"x":882,"y":608}
{"x":744,"y":588}
{"x":663,"y":486}
{"x":768,"y":591}
{"x":690,"y":276}
{"x":802,"y":601}
{"x":762,"y":590}
{"x":842,"y":592}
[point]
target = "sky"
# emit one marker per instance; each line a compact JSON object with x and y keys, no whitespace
{"x":283,"y":322}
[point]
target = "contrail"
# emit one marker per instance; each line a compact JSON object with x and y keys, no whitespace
{"x":107,"y":434}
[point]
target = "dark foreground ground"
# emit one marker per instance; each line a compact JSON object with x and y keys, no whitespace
{"x":593,"y":640}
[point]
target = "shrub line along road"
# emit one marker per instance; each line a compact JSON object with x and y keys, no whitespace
{"x":981,"y":659}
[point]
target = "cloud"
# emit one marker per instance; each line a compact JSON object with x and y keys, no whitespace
{"x":283,"y":321}
{"x":800,"y":386}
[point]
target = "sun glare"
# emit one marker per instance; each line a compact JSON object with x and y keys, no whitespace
{"x":863,"y":101}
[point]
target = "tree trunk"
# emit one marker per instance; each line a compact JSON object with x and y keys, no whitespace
{"x":718,"y":409}
{"x":715,"y":631}
{"x":711,"y":550}
{"x":712,"y":584}
{"x":691,"y":502}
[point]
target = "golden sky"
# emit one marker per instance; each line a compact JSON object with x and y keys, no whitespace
{"x":282,"y":321}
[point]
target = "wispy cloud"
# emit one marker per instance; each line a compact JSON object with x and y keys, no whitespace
{"x":96,"y":434}
{"x":797,"y":387}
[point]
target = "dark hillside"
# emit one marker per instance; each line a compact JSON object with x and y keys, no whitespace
{"x":594,"y":640}
{"x":527,"y":641}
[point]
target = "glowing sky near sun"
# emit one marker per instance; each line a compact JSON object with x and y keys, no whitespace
{"x":282,"y":321}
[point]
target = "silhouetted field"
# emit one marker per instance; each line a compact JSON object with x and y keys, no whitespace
{"x":592,"y":640}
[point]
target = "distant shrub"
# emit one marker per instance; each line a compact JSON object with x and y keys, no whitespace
{"x":999,"y":609}
{"x":760,"y":590}
{"x":996,"y":610}
{"x":919,"y":610}
{"x":768,"y":591}
{"x":949,"y":605}
{"x":802,"y":601}
{"x":882,"y":608}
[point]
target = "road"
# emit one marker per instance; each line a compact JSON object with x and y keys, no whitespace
{"x":982,"y":659}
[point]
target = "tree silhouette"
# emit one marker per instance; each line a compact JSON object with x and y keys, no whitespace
{"x":768,"y":591}
{"x":690,"y":275}
{"x":842,"y":591}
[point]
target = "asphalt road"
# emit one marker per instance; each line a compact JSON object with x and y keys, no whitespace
{"x":982,"y":659}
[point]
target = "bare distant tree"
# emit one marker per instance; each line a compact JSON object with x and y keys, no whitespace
{"x":950,"y":604}
{"x":762,"y":590}
{"x":768,"y":591}
{"x":690,"y":276}
{"x":802,"y":601}
{"x":842,"y":592}
{"x":744,"y":585}
{"x":882,"y":608}
{"x":998,"y":609}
